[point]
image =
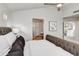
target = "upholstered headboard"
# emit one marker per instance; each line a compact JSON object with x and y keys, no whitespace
{"x":55,"y":40}
{"x":5,"y":30}
{"x":71,"y":47}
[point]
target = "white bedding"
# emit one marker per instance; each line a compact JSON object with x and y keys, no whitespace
{"x":6,"y":42}
{"x":43,"y":48}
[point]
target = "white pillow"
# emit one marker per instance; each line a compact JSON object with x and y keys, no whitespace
{"x":4,"y":46}
{"x":23,"y":35}
{"x":10,"y":37}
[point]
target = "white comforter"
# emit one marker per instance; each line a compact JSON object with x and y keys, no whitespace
{"x":43,"y":48}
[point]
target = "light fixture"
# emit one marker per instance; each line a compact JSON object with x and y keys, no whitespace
{"x":4,"y":16}
{"x":59,"y":6}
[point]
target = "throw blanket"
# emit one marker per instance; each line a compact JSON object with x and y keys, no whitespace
{"x":17,"y":47}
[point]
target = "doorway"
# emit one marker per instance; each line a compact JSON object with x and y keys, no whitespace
{"x":37,"y":29}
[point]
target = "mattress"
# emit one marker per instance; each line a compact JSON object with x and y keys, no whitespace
{"x":43,"y":48}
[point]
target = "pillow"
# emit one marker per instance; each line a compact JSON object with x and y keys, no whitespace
{"x":23,"y":35}
{"x":17,"y":47}
{"x":10,"y":37}
{"x":4,"y":46}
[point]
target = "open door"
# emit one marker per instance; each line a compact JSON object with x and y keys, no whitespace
{"x":37,"y":29}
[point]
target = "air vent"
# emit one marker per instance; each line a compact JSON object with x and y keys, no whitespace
{"x":76,"y":11}
{"x":50,"y":3}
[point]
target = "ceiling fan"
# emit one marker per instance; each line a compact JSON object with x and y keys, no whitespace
{"x":58,"y":5}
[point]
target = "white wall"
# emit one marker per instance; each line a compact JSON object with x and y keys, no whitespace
{"x":68,"y":13}
{"x":3,"y":10}
{"x":77,"y":31}
{"x":24,"y":19}
{"x":69,"y":9}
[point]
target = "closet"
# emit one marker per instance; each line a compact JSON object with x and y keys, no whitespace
{"x":37,"y":29}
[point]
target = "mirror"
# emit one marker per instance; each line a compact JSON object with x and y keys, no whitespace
{"x":71,"y":29}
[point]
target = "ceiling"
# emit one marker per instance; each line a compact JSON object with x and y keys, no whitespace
{"x":25,"y":6}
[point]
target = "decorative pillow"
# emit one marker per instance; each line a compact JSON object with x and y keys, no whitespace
{"x":17,"y":47}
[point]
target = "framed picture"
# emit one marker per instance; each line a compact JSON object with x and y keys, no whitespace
{"x":52,"y":25}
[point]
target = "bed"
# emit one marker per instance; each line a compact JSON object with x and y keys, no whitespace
{"x":51,"y":46}
{"x":11,"y":45}
{"x":43,"y":48}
